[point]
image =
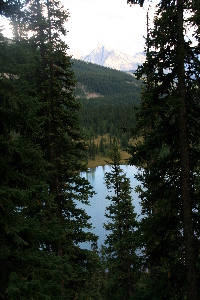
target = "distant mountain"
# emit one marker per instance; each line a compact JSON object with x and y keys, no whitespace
{"x":113,"y":59}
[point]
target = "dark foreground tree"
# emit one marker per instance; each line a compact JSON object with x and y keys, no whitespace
{"x":22,"y":172}
{"x":42,"y":153}
{"x":169,"y":124}
{"x":121,"y":261}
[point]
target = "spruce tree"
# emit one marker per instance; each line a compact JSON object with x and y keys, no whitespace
{"x":22,"y":174}
{"x":121,"y":261}
{"x":63,"y":146}
{"x":169,"y":153}
{"x":43,"y":260}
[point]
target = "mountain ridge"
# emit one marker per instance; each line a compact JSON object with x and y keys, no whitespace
{"x":104,"y":85}
{"x":110,"y":58}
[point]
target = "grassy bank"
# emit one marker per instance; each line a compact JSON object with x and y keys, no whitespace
{"x":102,"y":161}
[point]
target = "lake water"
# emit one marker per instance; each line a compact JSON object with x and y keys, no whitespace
{"x":98,"y":202}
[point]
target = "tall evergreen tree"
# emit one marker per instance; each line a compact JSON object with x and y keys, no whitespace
{"x":169,"y":152}
{"x":121,"y":243}
{"x":45,"y":166}
{"x":62,"y":143}
{"x":22,"y":173}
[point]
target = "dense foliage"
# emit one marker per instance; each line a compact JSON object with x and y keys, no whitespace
{"x":42,"y":153}
{"x":43,"y":150}
{"x":119,"y":252}
{"x":109,"y":98}
{"x":169,"y":153}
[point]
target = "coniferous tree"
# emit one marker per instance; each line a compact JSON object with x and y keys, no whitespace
{"x":62,"y":143}
{"x":22,"y":172}
{"x":44,"y":151}
{"x":121,"y":243}
{"x":169,"y":153}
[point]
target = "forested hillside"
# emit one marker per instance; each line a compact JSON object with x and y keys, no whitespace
{"x":109,"y":98}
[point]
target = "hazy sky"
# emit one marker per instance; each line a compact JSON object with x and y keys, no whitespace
{"x":109,"y":22}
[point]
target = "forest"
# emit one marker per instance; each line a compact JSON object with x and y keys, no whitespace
{"x":49,"y":113}
{"x":109,"y":99}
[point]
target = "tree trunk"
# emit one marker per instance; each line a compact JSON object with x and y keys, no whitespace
{"x":185,"y":165}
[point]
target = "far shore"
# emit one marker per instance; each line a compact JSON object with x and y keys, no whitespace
{"x":102,"y":161}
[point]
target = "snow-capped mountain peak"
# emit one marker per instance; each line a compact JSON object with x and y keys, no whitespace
{"x":115,"y":59}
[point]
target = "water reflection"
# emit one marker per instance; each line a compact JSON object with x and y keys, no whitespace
{"x":90,"y":174}
{"x":98,"y":202}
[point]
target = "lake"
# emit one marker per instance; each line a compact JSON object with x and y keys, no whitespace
{"x":98,"y":202}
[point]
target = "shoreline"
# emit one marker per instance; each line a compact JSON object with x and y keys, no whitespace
{"x":103,"y":161}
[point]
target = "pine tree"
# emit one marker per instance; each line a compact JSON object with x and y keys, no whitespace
{"x":121,"y":243}
{"x":22,"y":174}
{"x":44,"y":258}
{"x":63,"y":146}
{"x":169,"y":153}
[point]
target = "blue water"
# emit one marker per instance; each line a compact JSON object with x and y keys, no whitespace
{"x":98,"y":202}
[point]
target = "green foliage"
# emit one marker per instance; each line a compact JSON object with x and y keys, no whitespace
{"x":42,"y":152}
{"x":162,"y":156}
{"x":113,"y":106}
{"x":22,"y":172}
{"x":121,"y":261}
{"x":105,"y":82}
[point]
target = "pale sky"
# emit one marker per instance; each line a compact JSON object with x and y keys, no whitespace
{"x":109,"y":22}
{"x":112,"y":23}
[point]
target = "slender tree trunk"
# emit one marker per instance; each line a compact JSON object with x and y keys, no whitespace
{"x":185,"y":166}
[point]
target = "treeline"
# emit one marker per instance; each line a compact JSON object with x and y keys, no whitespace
{"x":108,"y":119}
{"x":103,"y":145}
